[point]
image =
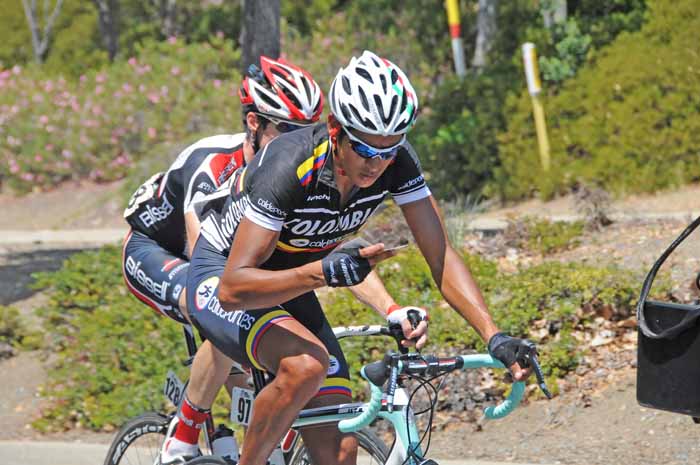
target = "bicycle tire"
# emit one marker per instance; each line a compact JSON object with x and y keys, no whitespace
{"x":149,"y":430}
{"x":375,"y":451}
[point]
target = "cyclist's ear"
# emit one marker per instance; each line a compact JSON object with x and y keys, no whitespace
{"x":333,"y":128}
{"x":252,"y":121}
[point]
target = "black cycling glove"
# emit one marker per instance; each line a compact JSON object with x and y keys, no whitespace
{"x":345,"y":267}
{"x":509,"y":350}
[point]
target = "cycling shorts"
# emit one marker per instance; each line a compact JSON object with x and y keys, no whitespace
{"x":154,"y":275}
{"x":237,"y":333}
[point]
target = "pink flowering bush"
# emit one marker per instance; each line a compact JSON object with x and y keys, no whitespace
{"x":54,"y":129}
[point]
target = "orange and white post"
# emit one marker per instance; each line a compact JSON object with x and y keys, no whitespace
{"x":453,"y":21}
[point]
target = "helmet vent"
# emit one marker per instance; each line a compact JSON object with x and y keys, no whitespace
{"x":307,"y":89}
{"x":394,"y":76}
{"x":404,"y":102}
{"x":363,"y":99}
{"x":346,"y":113}
{"x":380,"y":107}
{"x":392,"y":109}
{"x":382,"y":79}
{"x":269,"y":101}
{"x":363,"y":72}
{"x":346,"y":85}
{"x":365,"y":122}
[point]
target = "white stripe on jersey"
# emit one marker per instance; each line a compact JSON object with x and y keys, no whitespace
{"x":263,"y":220}
{"x":211,"y":233}
{"x":262,"y":155}
{"x":408,"y":197}
{"x":367,"y":199}
{"x":316,"y":210}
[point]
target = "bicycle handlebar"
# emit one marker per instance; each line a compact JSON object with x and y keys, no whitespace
{"x":469,"y":361}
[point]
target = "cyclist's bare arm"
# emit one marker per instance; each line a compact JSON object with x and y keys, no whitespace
{"x":372,"y":293}
{"x":192,"y":226}
{"x":245,"y":285}
{"x":449,"y":271}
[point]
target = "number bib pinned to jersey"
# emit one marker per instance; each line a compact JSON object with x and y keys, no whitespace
{"x":241,"y":405}
{"x":174,"y":389}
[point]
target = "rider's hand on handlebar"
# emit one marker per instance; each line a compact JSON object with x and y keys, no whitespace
{"x":413,"y":321}
{"x":514,"y":353}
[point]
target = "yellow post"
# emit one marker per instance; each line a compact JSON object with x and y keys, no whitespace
{"x":541,"y":127}
{"x":534,"y":87}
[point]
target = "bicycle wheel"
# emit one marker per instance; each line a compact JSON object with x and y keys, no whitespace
{"x":138,"y":442}
{"x":371,"y":451}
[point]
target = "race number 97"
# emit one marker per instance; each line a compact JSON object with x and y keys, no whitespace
{"x":241,"y":405}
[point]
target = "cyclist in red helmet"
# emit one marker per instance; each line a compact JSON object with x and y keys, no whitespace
{"x":278,"y":97}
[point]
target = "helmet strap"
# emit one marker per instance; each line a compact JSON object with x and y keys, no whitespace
{"x":336,"y":159}
{"x":256,"y":140}
{"x":334,"y":129}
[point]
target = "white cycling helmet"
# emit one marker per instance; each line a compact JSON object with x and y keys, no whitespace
{"x":374,"y":96}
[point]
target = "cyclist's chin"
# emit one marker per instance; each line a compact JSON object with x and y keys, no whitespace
{"x":365,"y":180}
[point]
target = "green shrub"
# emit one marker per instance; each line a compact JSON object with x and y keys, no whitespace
{"x":456,"y":139}
{"x":57,"y":129}
{"x":14,"y":331}
{"x":629,"y":122}
{"x":74,"y":46}
{"x":543,"y":236}
{"x":571,"y":48}
{"x":603,"y":21}
{"x":113,"y":351}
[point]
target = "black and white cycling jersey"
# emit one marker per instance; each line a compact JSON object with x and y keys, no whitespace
{"x":290,"y":187}
{"x":158,"y":207}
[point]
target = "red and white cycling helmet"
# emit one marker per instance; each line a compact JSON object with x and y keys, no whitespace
{"x":374,"y":96}
{"x":282,"y":92}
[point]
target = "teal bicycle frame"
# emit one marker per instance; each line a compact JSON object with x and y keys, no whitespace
{"x":355,"y":416}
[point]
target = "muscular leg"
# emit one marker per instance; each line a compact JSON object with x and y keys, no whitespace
{"x":210,"y":369}
{"x":182,"y":303}
{"x":300,"y":363}
{"x":327,"y":444}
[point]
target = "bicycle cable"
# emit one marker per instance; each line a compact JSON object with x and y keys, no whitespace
{"x":432,"y":401}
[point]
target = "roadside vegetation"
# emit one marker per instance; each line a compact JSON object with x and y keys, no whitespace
{"x":15,"y":333}
{"x":620,"y":117}
{"x":113,"y":353}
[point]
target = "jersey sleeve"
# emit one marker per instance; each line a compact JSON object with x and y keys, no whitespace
{"x":408,"y":183}
{"x":272,"y":185}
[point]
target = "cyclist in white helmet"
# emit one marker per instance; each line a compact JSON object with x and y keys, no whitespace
{"x":277,"y":236}
{"x":276,"y":98}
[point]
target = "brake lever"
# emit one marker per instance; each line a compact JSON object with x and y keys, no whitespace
{"x":393,"y":381}
{"x":530,"y":359}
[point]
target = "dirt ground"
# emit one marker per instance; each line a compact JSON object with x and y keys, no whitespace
{"x":596,"y":419}
{"x":82,"y":205}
